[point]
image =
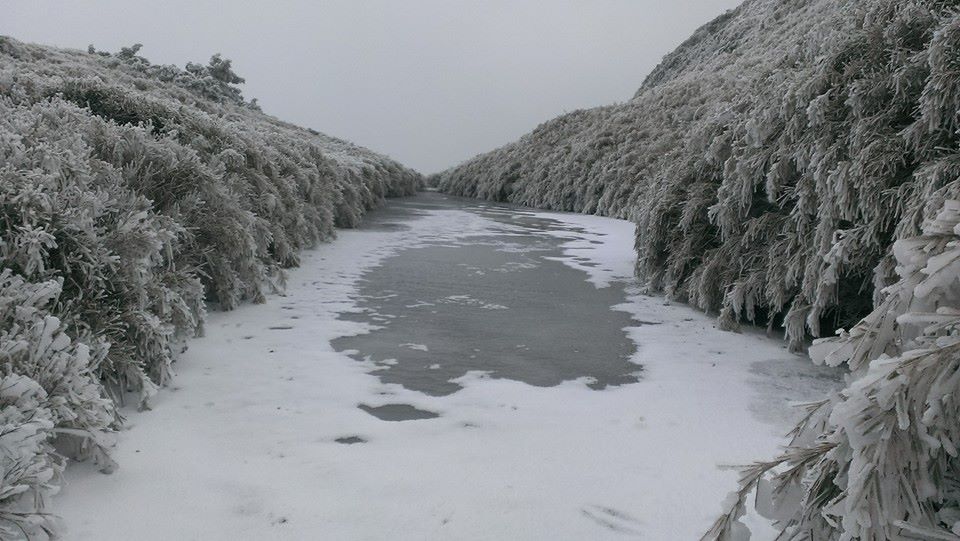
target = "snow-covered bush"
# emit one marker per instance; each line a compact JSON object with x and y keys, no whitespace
{"x":779,"y":166}
{"x":130,"y":196}
{"x":69,"y":216}
{"x":47,"y":391}
{"x":880,"y":460}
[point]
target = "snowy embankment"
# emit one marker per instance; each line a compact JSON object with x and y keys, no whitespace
{"x":244,"y":445}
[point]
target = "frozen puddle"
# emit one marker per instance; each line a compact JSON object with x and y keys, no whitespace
{"x":398,"y":412}
{"x":453,"y":370}
{"x":502,"y":303}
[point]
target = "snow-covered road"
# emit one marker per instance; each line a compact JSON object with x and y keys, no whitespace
{"x":261,"y":437}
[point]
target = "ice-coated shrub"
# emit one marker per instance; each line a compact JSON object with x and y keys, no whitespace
{"x":131,"y":196}
{"x":880,"y":459}
{"x":780,"y":166}
{"x":68,"y":216}
{"x":47,"y":391}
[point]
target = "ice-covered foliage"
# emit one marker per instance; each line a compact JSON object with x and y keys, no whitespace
{"x":130,"y":196}
{"x":772,"y":163}
{"x":47,"y":391}
{"x":880,"y":460}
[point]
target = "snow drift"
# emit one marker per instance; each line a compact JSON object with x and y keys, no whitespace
{"x":771,"y":163}
{"x":131,"y":195}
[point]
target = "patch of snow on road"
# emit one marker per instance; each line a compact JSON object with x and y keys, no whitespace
{"x":600,"y":246}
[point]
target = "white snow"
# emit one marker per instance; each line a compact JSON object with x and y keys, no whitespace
{"x":243,"y":445}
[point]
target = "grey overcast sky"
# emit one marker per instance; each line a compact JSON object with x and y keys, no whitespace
{"x":428,"y":82}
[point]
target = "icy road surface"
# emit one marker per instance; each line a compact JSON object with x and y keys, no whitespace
{"x":502,"y":302}
{"x":452,"y":370}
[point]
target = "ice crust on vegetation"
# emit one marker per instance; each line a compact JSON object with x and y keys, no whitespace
{"x":879,"y":460}
{"x":781,"y":165}
{"x":130,"y":195}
